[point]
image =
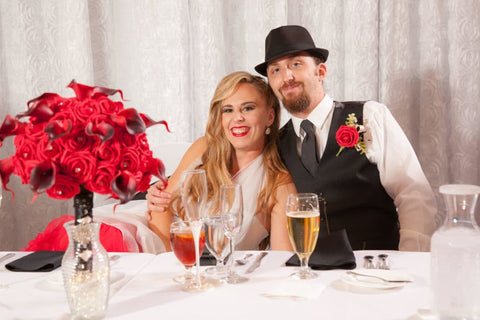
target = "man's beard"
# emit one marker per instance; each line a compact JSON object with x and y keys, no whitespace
{"x":298,"y":105}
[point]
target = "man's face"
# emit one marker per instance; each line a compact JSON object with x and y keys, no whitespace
{"x":297,"y":81}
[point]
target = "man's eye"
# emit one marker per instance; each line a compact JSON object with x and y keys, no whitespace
{"x":295,"y":64}
{"x":274,"y":70}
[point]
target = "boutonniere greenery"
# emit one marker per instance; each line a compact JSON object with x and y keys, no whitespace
{"x":348,"y":135}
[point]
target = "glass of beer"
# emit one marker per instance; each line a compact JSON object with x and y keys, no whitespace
{"x":303,"y":223}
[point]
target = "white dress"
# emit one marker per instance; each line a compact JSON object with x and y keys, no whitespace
{"x":252,"y":179}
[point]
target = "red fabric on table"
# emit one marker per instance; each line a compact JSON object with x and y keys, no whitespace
{"x":55,"y":238}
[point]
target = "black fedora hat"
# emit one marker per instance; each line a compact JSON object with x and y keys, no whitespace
{"x":287,"y":40}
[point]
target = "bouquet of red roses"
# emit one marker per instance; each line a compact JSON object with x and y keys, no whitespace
{"x":87,"y":141}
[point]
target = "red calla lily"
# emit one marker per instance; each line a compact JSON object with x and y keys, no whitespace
{"x":131,"y":120}
{"x":43,"y":108}
{"x":42,"y":176}
{"x":157,"y":168}
{"x":10,"y":127}
{"x":125,"y":186}
{"x":6,"y":169}
{"x":149,"y":122}
{"x":58,"y":128}
{"x":83,"y":92}
{"x":103,"y":130}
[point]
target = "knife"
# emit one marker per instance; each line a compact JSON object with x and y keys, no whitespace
{"x":7,"y":256}
{"x":256,"y":262}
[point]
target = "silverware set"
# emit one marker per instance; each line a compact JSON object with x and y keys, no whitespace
{"x":7,"y":256}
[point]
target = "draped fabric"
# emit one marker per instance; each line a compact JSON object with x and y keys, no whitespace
{"x":420,"y":58}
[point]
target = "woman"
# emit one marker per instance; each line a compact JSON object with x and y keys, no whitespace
{"x":239,"y":146}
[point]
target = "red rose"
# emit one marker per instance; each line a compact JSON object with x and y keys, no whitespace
{"x":50,"y":149}
{"x":80,"y":166}
{"x":102,"y":180}
{"x":26,"y":148}
{"x":23,"y":168}
{"x":64,"y":188}
{"x":347,"y":136}
{"x":78,"y":140}
{"x":108,"y":106}
{"x":109,"y":150}
{"x":84,"y":109}
{"x":125,"y":138}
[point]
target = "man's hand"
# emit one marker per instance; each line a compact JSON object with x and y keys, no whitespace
{"x":157,"y":198}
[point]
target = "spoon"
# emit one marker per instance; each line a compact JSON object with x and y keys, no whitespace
{"x":244,"y":259}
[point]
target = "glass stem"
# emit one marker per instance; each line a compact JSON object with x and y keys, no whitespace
{"x":232,"y":258}
{"x":304,"y":264}
{"x":196,"y":229}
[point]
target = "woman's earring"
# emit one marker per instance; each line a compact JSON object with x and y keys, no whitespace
{"x":267,"y":131}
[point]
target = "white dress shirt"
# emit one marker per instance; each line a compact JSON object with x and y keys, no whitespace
{"x":400,"y":172}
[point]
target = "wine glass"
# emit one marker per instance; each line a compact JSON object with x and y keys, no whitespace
{"x":183,"y":246}
{"x":217,"y":243}
{"x":193,"y":189}
{"x":303,"y":223}
{"x":231,"y":208}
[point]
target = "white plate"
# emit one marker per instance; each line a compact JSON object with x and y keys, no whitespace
{"x":370,"y":283}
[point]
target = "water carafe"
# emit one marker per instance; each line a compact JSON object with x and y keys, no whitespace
{"x":455,"y":256}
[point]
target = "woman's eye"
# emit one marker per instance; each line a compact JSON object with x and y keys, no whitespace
{"x":226,"y":110}
{"x":248,"y":107}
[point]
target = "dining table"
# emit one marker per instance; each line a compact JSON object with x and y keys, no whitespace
{"x":142,"y":287}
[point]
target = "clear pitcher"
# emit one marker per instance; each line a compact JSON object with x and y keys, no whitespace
{"x":455,"y":256}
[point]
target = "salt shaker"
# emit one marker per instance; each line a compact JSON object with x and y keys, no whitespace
{"x":368,"y":262}
{"x":382,"y":262}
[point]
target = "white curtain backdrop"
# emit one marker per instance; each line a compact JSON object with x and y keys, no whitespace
{"x":420,"y":58}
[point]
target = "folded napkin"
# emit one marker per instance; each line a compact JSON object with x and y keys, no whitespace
{"x":207,"y":259}
{"x":38,"y":261}
{"x":294,"y":290}
{"x":333,"y":251}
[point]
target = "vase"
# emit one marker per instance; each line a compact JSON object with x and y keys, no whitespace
{"x":455,"y":256}
{"x":85,"y":264}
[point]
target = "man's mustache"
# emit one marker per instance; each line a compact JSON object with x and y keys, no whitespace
{"x":291,"y":83}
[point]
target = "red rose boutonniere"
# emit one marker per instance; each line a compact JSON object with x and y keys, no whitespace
{"x":87,"y":141}
{"x":348,"y":135}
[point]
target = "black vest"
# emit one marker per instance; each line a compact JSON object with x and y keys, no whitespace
{"x":350,"y":184}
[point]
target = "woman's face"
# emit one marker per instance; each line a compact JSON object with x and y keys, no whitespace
{"x":245,"y":117}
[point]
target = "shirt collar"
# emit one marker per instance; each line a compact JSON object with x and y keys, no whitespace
{"x":317,"y":116}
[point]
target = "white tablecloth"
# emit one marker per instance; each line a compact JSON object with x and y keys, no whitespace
{"x":143,"y":288}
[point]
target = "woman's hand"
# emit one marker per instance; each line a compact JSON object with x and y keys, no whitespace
{"x":157,"y":198}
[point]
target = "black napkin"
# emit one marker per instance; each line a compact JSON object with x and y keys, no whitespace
{"x":333,"y":251}
{"x":207,"y":259}
{"x":38,"y":261}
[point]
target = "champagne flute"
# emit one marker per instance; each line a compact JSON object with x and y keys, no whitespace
{"x":193,"y":188}
{"x":183,"y":247}
{"x":217,"y":243}
{"x":303,"y":223}
{"x":231,"y":208}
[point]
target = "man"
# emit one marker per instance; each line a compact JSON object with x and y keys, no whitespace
{"x":354,"y":154}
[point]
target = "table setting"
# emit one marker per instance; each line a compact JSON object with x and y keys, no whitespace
{"x":205,"y":276}
{"x":143,"y":286}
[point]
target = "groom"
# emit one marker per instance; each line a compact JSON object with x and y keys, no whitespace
{"x":354,"y":154}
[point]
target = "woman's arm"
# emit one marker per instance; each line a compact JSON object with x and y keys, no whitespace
{"x":158,"y":195}
{"x":279,"y":239}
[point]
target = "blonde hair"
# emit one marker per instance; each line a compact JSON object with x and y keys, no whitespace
{"x":217,"y":159}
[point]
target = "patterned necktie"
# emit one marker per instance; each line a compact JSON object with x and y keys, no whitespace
{"x":309,"y":148}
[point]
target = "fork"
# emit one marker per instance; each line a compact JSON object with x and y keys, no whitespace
{"x":360,"y":275}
